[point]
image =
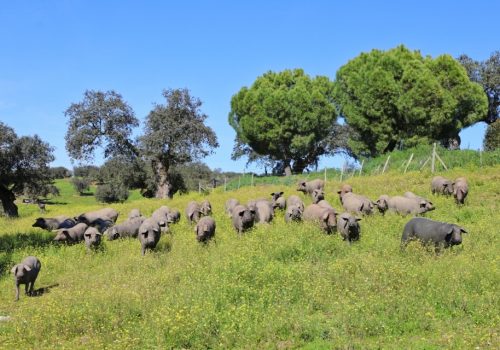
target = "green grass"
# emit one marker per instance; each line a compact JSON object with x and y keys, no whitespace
{"x":277,"y":287}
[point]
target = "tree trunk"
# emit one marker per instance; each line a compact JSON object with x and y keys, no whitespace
{"x":163,"y":185}
{"x":288,"y":168}
{"x":7,"y":198}
{"x":298,"y":166}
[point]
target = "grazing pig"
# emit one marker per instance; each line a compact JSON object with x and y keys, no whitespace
{"x":294,"y":200}
{"x":230,"y":204}
{"x":317,"y":195}
{"x":149,"y":234}
{"x":403,"y":206}
{"x":205,"y":229}
{"x":55,"y":223}
{"x":382,"y":203}
{"x":71,"y":235}
{"x":293,"y":213}
{"x":356,"y":203}
{"x":26,"y":273}
{"x":326,"y":217}
{"x":92,"y":238}
{"x":193,"y":212}
{"x":278,"y":201}
{"x":173,"y":216}
{"x":428,"y":204}
{"x":134,"y":213}
{"x":309,"y":186}
{"x":129,"y":228}
{"x":441,"y":185}
{"x":460,"y":190}
{"x":243,"y":218}
{"x":430,"y":231}
{"x":264,"y":212}
{"x":348,"y":227}
{"x":206,"y":208}
{"x":161,"y":217}
{"x":344,"y":189}
{"x":324,"y":204}
{"x":105,"y":214}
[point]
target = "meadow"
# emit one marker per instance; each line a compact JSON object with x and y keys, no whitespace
{"x":279,"y":286}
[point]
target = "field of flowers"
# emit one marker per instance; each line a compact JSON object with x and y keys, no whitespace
{"x":279,"y":286}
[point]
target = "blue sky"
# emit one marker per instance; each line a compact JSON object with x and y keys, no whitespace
{"x":52,"y":51}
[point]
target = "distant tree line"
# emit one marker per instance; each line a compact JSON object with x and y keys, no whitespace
{"x":285,"y":121}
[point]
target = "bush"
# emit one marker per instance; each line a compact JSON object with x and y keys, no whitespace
{"x":59,"y":172}
{"x":111,"y":193}
{"x":88,"y":171}
{"x":492,"y":136}
{"x":80,"y":184}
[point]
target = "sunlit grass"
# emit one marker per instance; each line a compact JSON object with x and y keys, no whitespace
{"x":278,"y":286}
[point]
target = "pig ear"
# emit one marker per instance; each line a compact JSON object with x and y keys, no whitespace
{"x":345,"y":219}
{"x":463,"y":230}
{"x":362,"y":206}
{"x":358,"y":219}
{"x":325,"y":215}
{"x":98,"y":233}
{"x":65,"y":232}
{"x":339,"y":192}
{"x":14,"y":270}
{"x":27,"y":268}
{"x":422,"y":204}
{"x":272,"y":194}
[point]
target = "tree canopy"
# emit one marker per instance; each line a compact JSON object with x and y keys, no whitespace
{"x":175,"y":133}
{"x":487,"y":74}
{"x":400,"y":96}
{"x":285,"y":117}
{"x":102,"y":119}
{"x":24,"y":167}
{"x":492,"y":136}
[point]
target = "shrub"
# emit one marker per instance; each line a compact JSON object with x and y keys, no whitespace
{"x":81,"y":184}
{"x":111,"y":193}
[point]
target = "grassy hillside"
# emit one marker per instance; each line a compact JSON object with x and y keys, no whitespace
{"x":277,"y":287}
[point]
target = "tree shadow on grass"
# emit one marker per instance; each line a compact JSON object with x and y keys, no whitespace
{"x":10,"y":243}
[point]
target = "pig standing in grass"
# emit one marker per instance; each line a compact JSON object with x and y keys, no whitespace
{"x":129,"y":228}
{"x":264,"y":212}
{"x":441,"y":185}
{"x":26,"y":273}
{"x":326,"y":217}
{"x":230,"y":204}
{"x":428,"y":204}
{"x":356,"y":203}
{"x":243,"y":218}
{"x":92,"y":217}
{"x":460,"y":190}
{"x":54,"y":223}
{"x":309,"y":186}
{"x":71,"y":235}
{"x":317,"y":196}
{"x":403,"y":205}
{"x":205,"y":229}
{"x":344,"y":189}
{"x":294,"y":209}
{"x":149,"y":234}
{"x":206,"y":208}
{"x":348,"y":227}
{"x":173,"y":216}
{"x":432,"y":232}
{"x":278,"y":201}
{"x":193,"y":212}
{"x":92,"y":238}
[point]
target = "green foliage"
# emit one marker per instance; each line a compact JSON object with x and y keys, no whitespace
{"x":279,"y":286}
{"x":80,"y":184}
{"x":24,"y":167}
{"x":175,"y":133}
{"x":286,"y":117}
{"x":492,"y":136}
{"x":398,"y":95}
{"x":111,"y":192}
{"x":129,"y":172}
{"x":487,"y":74}
{"x":102,"y":119}
{"x":59,"y":172}
{"x":88,"y":171}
